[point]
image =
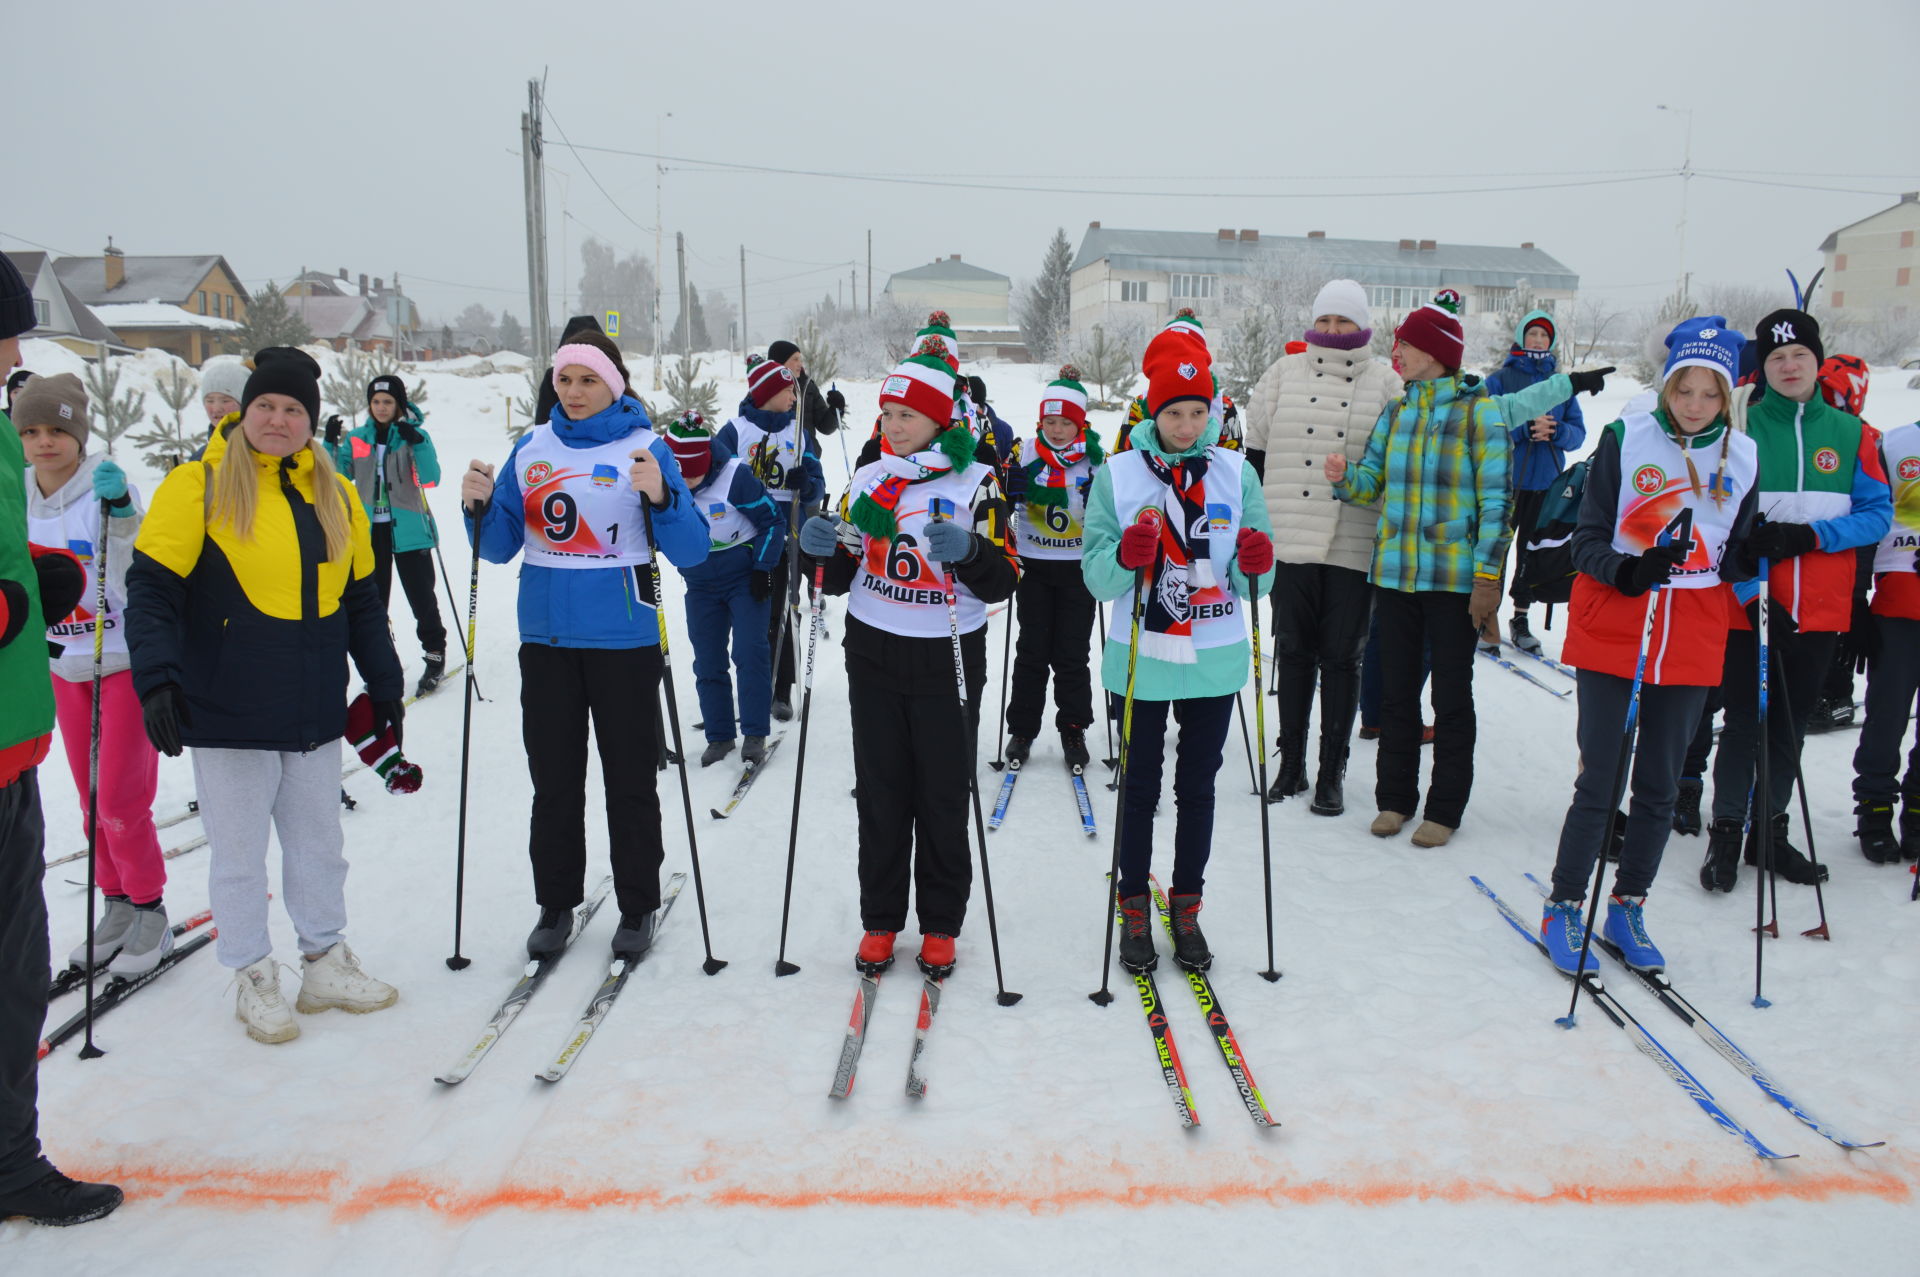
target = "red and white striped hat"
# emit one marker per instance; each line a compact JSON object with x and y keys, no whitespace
{"x":767,"y":380}
{"x":924,"y":382}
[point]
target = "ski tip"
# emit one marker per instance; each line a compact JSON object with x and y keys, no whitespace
{"x":713,"y":966}
{"x":458,"y":963}
{"x":1007,"y":999}
{"x":783,"y":967}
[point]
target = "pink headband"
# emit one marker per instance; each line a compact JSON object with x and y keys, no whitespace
{"x":591,"y":357}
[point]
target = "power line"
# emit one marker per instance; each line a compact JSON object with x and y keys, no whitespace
{"x":589,"y":172}
{"x":1794,"y":186}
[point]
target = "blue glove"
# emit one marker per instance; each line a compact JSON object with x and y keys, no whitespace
{"x":109,"y":481}
{"x":819,"y":537}
{"x":948,"y":542}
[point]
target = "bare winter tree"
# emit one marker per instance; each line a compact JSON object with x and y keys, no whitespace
{"x":1651,"y":349}
{"x":1281,"y":280}
{"x":624,"y":284}
{"x":1586,"y":328}
{"x":476,"y":321}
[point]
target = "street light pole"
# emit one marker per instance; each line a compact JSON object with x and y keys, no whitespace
{"x":659,"y":183}
{"x":1686,"y":181}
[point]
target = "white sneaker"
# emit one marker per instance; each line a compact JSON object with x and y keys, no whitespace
{"x":334,"y":979}
{"x":109,"y":932}
{"x":149,"y":940}
{"x":260,"y":1006}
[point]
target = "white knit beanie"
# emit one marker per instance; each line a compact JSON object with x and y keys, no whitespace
{"x":1345,"y":298}
{"x":226,"y":376}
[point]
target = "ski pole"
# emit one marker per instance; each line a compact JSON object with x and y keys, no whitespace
{"x":1240,"y":716}
{"x":453,"y":605}
{"x":780,"y":964}
{"x":1000,"y":732}
{"x":458,"y":962}
{"x":1106,"y":698}
{"x":1806,"y":822}
{"x":88,"y":1051}
{"x":1272,"y":972}
{"x":972,"y":737}
{"x":1760,"y":802}
{"x":712,"y":965}
{"x":1142,"y":582}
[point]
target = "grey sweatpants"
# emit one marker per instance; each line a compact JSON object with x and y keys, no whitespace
{"x":243,"y":793}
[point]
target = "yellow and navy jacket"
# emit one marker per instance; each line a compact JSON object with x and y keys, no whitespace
{"x":256,"y":633}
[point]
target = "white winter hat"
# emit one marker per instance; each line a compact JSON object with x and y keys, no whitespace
{"x":226,"y":376}
{"x":1345,"y":298}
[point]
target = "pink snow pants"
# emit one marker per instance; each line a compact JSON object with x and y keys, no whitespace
{"x":129,"y":862}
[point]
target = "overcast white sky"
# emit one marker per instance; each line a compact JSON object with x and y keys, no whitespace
{"x":384,"y":137}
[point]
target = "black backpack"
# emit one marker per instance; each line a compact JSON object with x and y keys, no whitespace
{"x":1550,"y":569}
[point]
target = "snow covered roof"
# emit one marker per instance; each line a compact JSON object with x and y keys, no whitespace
{"x":950,"y":268}
{"x":157,"y":314}
{"x":333,"y":318}
{"x":1370,"y":261}
{"x":167,"y":279}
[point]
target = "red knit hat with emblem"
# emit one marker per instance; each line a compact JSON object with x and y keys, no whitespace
{"x":1178,"y":366}
{"x":1435,"y":328}
{"x":767,"y":380}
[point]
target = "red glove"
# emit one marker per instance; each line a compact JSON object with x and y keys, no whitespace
{"x":1256,"y":552}
{"x":1138,"y":542}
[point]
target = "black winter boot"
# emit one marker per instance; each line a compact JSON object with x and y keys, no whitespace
{"x":1189,"y":943}
{"x":1136,"y":934}
{"x":431,"y":676}
{"x":1788,"y":860}
{"x":58,"y":1200}
{"x":1722,"y":868}
{"x":1292,"y":777}
{"x":1073,"y":743}
{"x":1686,"y":807}
{"x":1329,"y":792}
{"x":1018,"y":747}
{"x":1874,"y":828}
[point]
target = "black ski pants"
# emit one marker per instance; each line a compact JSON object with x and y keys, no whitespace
{"x":1796,"y":668}
{"x":914,"y":758}
{"x":1056,"y":617}
{"x":1436,"y":622}
{"x":1526,"y":513}
{"x":1203,"y":724}
{"x":561,"y":688}
{"x":782,"y":634}
{"x":1668,"y":716}
{"x":416,"y":578}
{"x":1892,"y":681}
{"x":1321,"y":619}
{"x":1701,"y":750}
{"x":24,"y":974}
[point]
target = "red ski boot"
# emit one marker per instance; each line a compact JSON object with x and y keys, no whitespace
{"x":876,"y":952}
{"x":936,"y":955}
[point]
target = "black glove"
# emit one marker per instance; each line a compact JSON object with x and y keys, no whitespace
{"x":837,"y":402}
{"x":62,"y":582}
{"x":1862,"y":638}
{"x":1641,"y":572}
{"x":1593,"y":380}
{"x":13,"y":611}
{"x":333,"y":429}
{"x":794,"y":479}
{"x":389,"y":714}
{"x":409,"y":433}
{"x":1233,"y":413}
{"x":759,"y":585}
{"x":1777,"y":541}
{"x":162,"y":711}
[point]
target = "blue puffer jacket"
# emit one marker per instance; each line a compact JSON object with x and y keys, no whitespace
{"x":592,"y":607}
{"x":1536,"y":464}
{"x":727,"y":567}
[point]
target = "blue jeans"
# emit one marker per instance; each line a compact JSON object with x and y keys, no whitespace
{"x":720,"y":604}
{"x":1203,"y":736}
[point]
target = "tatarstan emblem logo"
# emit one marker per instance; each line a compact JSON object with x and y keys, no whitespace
{"x":1826,"y":461}
{"x":1649,"y":479}
{"x":1909,"y":468}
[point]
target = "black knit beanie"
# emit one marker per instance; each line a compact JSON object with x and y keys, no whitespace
{"x":390,"y":384}
{"x":781,"y":351}
{"x":284,"y":370}
{"x":1787,"y":327}
{"x":16,"y":301}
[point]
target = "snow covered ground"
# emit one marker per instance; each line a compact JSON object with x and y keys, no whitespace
{"x":1434,"y":1118}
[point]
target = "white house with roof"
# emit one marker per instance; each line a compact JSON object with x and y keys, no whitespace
{"x":1871,"y":265}
{"x":977,"y":300}
{"x":59,"y":315}
{"x":1148,"y":276}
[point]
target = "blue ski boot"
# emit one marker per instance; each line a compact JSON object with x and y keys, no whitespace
{"x":1562,"y":931}
{"x":1626,"y":929}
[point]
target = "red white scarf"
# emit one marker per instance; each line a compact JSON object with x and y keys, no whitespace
{"x":1186,"y":562}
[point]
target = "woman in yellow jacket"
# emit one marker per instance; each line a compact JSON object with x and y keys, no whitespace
{"x":251,"y":585}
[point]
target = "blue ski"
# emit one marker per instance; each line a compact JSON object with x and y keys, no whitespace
{"x":1006,"y":796}
{"x":1658,"y":984}
{"x":1543,"y":658}
{"x":1517,"y":672}
{"x":1637,"y":1033}
{"x":1085,"y":802}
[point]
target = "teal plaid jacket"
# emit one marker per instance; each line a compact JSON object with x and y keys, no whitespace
{"x":1437,"y":462}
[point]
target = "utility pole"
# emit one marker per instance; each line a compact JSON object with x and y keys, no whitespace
{"x":659,"y":221}
{"x":853,"y":287}
{"x":744,"y":343}
{"x":685,"y":323}
{"x":1686,"y":183}
{"x":869,"y":273}
{"x":532,"y":149}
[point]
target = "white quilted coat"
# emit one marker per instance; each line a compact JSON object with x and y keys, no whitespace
{"x":1302,"y":408}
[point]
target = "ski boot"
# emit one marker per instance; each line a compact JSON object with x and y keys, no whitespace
{"x":1189,"y":943}
{"x":753,"y":749}
{"x":147,"y":941}
{"x":715,"y":751}
{"x":1136,"y":934}
{"x":1626,"y":929}
{"x":634,"y":936}
{"x":1292,"y":777}
{"x":1788,"y":860}
{"x":1721,"y":869}
{"x":1686,"y":806}
{"x":936,"y":955}
{"x":783,"y":709}
{"x":875,"y":953}
{"x":109,"y":933}
{"x":431,"y":676}
{"x":1563,"y":932}
{"x":1018,"y":748}
{"x":549,"y":935}
{"x":1073,"y":743}
{"x":1874,"y":829}
{"x":1520,"y":634}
